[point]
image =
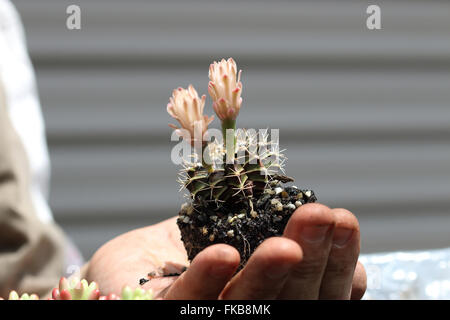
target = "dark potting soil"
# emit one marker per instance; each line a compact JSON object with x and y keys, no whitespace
{"x":243,"y":225}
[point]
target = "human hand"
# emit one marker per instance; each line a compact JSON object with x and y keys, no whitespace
{"x":316,"y":258}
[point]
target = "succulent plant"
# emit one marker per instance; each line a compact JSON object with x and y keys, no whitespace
{"x":13,"y":295}
{"x":130,"y":294}
{"x":236,"y":182}
{"x":136,"y":294}
{"x":75,"y":289}
{"x":110,"y":296}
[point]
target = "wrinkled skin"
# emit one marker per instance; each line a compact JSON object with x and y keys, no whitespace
{"x":316,"y":258}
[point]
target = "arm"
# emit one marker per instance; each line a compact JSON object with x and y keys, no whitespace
{"x":31,"y":251}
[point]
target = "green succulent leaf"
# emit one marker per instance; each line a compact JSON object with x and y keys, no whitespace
{"x":13,"y":295}
{"x":136,"y":294}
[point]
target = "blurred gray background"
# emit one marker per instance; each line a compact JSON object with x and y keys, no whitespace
{"x":364,"y":115}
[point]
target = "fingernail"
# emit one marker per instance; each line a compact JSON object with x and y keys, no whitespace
{"x":314,"y":234}
{"x":341,"y":237}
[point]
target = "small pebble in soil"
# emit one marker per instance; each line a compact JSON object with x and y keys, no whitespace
{"x":274,"y":201}
{"x":290,"y":206}
{"x":231,"y":219}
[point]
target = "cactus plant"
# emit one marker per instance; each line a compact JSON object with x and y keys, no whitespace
{"x":237,"y":187}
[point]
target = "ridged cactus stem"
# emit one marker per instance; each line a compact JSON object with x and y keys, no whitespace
{"x":229,"y":124}
{"x":206,"y":165}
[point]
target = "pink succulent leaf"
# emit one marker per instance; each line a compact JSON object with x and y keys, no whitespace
{"x":63,"y":284}
{"x":55,"y":294}
{"x":110,"y":296}
{"x":65,"y":295}
{"x":94,"y":295}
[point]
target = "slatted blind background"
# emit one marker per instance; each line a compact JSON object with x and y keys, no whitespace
{"x":364,"y":115}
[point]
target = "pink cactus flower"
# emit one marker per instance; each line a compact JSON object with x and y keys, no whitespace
{"x":187,"y":108}
{"x":225,"y":88}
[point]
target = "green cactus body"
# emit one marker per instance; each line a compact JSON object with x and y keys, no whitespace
{"x":239,"y":203}
{"x":246,"y":177}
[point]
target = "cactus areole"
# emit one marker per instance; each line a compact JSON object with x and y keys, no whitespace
{"x":238,"y":193}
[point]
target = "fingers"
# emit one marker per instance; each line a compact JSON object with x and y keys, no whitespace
{"x":338,"y":276}
{"x":316,"y":258}
{"x":207,"y":275}
{"x":359,"y":284}
{"x":265,"y":272}
{"x":311,"y":226}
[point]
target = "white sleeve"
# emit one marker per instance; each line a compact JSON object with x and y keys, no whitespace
{"x":18,"y":77}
